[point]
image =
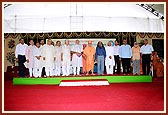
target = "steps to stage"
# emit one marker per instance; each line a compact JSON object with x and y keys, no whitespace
{"x":97,"y":82}
{"x":58,"y":80}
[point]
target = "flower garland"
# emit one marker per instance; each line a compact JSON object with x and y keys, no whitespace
{"x":23,"y":35}
{"x":150,"y":35}
{"x":133,"y":34}
{"x":41,"y":35}
{"x":88,"y":34}
{"x":125,"y":34}
{"x":14,"y":35}
{"x":106,"y":34}
{"x":32,"y":35}
{"x":97,"y":34}
{"x":68,"y":34}
{"x":59,"y":34}
{"x":79,"y":34}
{"x":115,"y":34}
{"x":11,"y":44}
{"x":6,"y":35}
{"x":142,"y":35}
{"x":158,"y":35}
{"x":50,"y":35}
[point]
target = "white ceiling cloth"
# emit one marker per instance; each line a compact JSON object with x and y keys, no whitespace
{"x":79,"y":17}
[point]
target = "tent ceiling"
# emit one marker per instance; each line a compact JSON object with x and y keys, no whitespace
{"x":73,"y":17}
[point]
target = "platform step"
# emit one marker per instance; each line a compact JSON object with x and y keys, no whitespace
{"x":83,"y":82}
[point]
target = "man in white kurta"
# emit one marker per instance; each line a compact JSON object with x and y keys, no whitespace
{"x":77,"y":50}
{"x":37,"y":52}
{"x":30,"y":58}
{"x":66,"y":58}
{"x":58,"y":59}
{"x":109,"y":61}
{"x":41,"y":46}
{"x":48,"y":57}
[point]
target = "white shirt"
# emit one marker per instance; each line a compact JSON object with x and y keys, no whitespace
{"x":66,"y":50}
{"x":116,"y":49}
{"x":37,"y":52}
{"x":109,"y":52}
{"x":20,"y":49}
{"x":48,"y":51}
{"x":77,"y":61}
{"x":146,"y":49}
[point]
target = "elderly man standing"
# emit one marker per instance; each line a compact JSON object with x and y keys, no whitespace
{"x":109,"y":60}
{"x":136,"y":58}
{"x":66,"y":58}
{"x":30,"y":57}
{"x":41,"y":47}
{"x":125,"y":53}
{"x":146,"y":52}
{"x":77,"y":50}
{"x":48,"y":57}
{"x":89,"y":53}
{"x":58,"y":49}
{"x":20,"y":53}
{"x":37,"y":52}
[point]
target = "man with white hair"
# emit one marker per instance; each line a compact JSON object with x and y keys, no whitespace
{"x":30,"y":58}
{"x":37,"y":52}
{"x":77,"y":50}
{"x":48,"y":57}
{"x":109,"y":60}
{"x":58,"y":49}
{"x":66,"y":58}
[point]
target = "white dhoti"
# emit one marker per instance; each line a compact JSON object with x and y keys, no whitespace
{"x":37,"y":62}
{"x":49,"y":55}
{"x":109,"y":63}
{"x":77,"y":59}
{"x":57,"y":64}
{"x":66,"y":51}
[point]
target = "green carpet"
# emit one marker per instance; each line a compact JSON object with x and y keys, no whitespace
{"x":57,"y":80}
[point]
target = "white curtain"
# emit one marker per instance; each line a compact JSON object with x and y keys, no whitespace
{"x":74,"y":17}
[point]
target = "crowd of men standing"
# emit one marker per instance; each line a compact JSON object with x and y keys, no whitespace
{"x":55,"y":60}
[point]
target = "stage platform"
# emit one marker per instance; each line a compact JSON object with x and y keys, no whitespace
{"x":57,"y":80}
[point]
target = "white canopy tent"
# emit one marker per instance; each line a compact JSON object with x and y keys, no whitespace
{"x":79,"y":17}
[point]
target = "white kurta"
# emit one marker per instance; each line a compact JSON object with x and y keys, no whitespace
{"x":49,"y":54}
{"x":76,"y":60}
{"x":66,"y":50}
{"x":29,"y":56}
{"x":58,"y":56}
{"x":41,"y":47}
{"x":37,"y":52}
{"x":109,"y":52}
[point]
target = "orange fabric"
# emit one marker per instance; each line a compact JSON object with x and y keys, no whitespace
{"x":84,"y":61}
{"x":154,"y":61}
{"x":136,"y":53}
{"x":89,"y":53}
{"x":160,"y":70}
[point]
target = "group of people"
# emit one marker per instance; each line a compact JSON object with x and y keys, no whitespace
{"x":55,"y":60}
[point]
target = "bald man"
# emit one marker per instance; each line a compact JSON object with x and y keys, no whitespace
{"x":77,"y":50}
{"x":89,"y":53}
{"x":48,"y":57}
{"x":66,"y":58}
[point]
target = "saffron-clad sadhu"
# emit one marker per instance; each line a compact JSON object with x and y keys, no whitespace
{"x":89,"y":53}
{"x":84,"y":61}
